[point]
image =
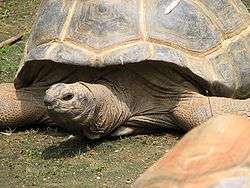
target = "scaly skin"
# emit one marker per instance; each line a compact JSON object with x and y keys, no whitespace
{"x":137,"y":100}
{"x":21,"y":107}
{"x":195,"y":109}
{"x":123,"y":98}
{"x":25,"y":107}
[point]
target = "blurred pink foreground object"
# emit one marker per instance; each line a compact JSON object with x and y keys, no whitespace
{"x":215,"y":155}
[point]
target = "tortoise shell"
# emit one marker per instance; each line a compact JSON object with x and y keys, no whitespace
{"x":210,"y":38}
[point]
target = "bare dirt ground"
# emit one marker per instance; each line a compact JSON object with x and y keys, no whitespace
{"x":42,"y":157}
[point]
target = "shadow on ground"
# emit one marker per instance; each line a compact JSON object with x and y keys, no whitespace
{"x":48,"y":157}
{"x":71,"y":145}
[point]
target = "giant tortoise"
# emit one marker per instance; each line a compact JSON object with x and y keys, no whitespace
{"x":107,"y":67}
{"x":118,"y":67}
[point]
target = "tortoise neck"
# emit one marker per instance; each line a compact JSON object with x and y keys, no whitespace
{"x":112,"y":105}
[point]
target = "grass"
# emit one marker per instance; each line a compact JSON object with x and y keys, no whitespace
{"x":9,"y":63}
{"x":16,"y":17}
{"x":44,"y":157}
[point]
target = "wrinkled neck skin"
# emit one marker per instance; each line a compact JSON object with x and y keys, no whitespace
{"x":111,"y":110}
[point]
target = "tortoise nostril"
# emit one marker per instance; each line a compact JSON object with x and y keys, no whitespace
{"x":68,"y":97}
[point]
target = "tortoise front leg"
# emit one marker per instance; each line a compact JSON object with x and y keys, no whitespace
{"x":195,"y":109}
{"x":21,"y":107}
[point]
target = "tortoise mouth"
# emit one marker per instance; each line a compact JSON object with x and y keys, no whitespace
{"x":57,"y":109}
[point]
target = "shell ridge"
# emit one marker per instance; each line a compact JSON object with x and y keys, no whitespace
{"x":64,"y":29}
{"x":142,"y":19}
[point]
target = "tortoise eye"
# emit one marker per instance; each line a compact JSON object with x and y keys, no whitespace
{"x":68,"y":97}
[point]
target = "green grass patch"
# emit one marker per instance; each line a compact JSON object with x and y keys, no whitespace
{"x":10,"y":56}
{"x":16,"y":17}
{"x":45,"y":158}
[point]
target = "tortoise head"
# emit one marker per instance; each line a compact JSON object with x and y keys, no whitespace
{"x":70,"y":105}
